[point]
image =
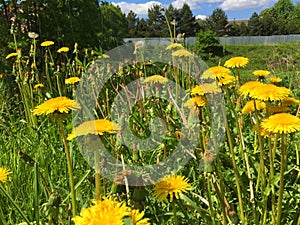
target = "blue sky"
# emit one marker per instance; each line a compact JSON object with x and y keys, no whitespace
{"x":234,"y":9}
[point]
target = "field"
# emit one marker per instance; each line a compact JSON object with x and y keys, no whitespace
{"x":229,"y":137}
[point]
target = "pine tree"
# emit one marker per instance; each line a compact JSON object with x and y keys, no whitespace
{"x":187,"y":22}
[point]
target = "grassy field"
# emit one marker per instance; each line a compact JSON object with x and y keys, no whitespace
{"x":246,"y":177}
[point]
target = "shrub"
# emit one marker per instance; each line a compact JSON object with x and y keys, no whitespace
{"x":207,"y":45}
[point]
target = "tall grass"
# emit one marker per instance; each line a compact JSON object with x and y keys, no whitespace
{"x":240,"y":184}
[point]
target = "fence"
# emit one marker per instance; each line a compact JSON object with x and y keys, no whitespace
{"x":231,"y":40}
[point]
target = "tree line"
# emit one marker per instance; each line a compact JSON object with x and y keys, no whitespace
{"x":281,"y":19}
{"x":91,"y":23}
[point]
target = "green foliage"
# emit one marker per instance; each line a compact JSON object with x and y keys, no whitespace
{"x":218,"y":22}
{"x":207,"y":45}
{"x":156,"y":22}
{"x":187,"y":22}
{"x":35,"y":155}
{"x":254,"y":25}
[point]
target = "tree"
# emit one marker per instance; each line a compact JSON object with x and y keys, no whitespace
{"x":143,"y":28}
{"x":254,"y":25}
{"x":218,"y":22}
{"x":71,"y":21}
{"x":113,"y":26}
{"x":283,"y":18}
{"x":267,"y":20}
{"x":172,"y":13}
{"x":244,"y":31}
{"x":156,"y":22}
{"x":187,"y":22}
{"x":132,"y":21}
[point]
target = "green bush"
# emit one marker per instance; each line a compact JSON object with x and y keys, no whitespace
{"x":207,"y":45}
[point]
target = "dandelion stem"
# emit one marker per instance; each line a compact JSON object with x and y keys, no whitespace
{"x":70,"y":170}
{"x":174,"y":213}
{"x":221,"y":197}
{"x":272,"y":151}
{"x":281,"y":184}
{"x":97,"y":176}
{"x":236,"y":173}
{"x":261,"y":173}
{"x":211,"y":209}
{"x":169,"y":28}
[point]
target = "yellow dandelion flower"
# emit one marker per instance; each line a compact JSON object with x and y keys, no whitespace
{"x":236,"y":62}
{"x":95,"y":127}
{"x":63,"y":49}
{"x":182,"y":52}
{"x":277,"y":109}
{"x":249,"y":106}
{"x":210,"y":88}
{"x":226,"y":80}
{"x":11,"y":55}
{"x":197,"y":90}
{"x":137,"y":218}
{"x":216,"y":72}
{"x":261,"y":73}
{"x":206,"y":88}
{"x":281,"y":123}
{"x":1,"y":75}
{"x":156,"y":79}
{"x":4,"y":172}
{"x":274,"y":79}
{"x":198,"y":101}
{"x":72,"y":80}
{"x":289,"y":101}
{"x":248,"y":87}
{"x":107,"y":211}
{"x":59,"y":104}
{"x":172,"y":185}
{"x":263,"y":132}
{"x":270,"y":92}
{"x":174,"y":45}
{"x":47,"y":43}
{"x":38,"y":86}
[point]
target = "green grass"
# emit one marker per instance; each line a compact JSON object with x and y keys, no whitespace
{"x":42,"y":142}
{"x":282,"y":59}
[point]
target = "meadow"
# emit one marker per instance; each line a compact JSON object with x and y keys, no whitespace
{"x":223,"y":134}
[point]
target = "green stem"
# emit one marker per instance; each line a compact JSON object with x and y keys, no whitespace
{"x":169,"y":28}
{"x":174,"y":213}
{"x":261,"y":174}
{"x":48,"y":75}
{"x":70,"y":170}
{"x":34,"y":61}
{"x":36,"y":191}
{"x":236,"y":173}
{"x":221,"y":197}
{"x":272,"y":151}
{"x":14,"y":203}
{"x":211,"y":209}
{"x":281,"y":184}
{"x":97,"y":176}
{"x":58,"y":84}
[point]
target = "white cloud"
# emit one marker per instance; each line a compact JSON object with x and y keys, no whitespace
{"x":194,"y":4}
{"x":244,"y":4}
{"x":201,"y":17}
{"x":138,"y":8}
{"x":142,"y":8}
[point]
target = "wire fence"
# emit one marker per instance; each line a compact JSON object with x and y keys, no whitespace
{"x":230,"y":40}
